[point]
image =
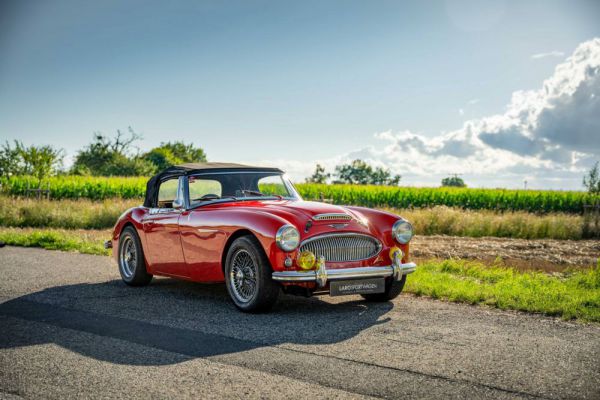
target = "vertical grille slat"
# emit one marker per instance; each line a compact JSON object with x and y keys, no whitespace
{"x":343,"y":247}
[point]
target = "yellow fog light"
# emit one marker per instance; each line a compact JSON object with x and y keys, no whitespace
{"x":306,"y":260}
{"x":393,"y":251}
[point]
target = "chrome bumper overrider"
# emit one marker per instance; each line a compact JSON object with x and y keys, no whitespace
{"x":108,"y":244}
{"x":322,"y":274}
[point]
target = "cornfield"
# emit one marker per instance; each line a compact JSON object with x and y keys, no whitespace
{"x":78,"y":187}
{"x":538,"y":201}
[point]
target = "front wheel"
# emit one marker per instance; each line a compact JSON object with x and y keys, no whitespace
{"x":392,"y":290}
{"x":248,"y":276}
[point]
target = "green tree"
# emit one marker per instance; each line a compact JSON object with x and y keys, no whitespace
{"x":173,"y":153}
{"x":592,"y":180}
{"x":187,"y":153}
{"x":319,"y":176}
{"x":361,"y":173}
{"x":11,"y":162}
{"x":381,"y":176}
{"x":454,"y":181}
{"x":40,"y":161}
{"x":112,"y":157}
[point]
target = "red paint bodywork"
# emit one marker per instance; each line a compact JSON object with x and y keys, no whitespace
{"x":192,"y":244}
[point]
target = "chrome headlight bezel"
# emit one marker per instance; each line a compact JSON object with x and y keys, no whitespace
{"x":287,"y":238}
{"x":402,"y":231}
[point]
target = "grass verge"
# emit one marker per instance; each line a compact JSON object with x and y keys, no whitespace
{"x":82,"y":241}
{"x":570,"y":295}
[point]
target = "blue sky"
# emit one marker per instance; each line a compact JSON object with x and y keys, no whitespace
{"x":294,"y":83}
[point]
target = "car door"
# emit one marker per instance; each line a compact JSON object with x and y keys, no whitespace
{"x":203,"y":230}
{"x":161,"y":227}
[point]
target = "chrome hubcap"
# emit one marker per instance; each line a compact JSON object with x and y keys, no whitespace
{"x":243,"y":276}
{"x":128,"y":257}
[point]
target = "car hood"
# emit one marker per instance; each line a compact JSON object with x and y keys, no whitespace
{"x":299,"y":213}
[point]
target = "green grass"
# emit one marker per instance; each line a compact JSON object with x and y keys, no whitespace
{"x":87,"y":242}
{"x":538,"y":201}
{"x":571,"y":295}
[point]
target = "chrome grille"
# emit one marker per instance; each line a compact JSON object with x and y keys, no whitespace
{"x":341,"y":247}
{"x":331,"y":217}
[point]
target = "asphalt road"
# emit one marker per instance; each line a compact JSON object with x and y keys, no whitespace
{"x":70,"y":328}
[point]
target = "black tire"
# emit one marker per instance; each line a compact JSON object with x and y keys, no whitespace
{"x":392,"y":290}
{"x":132,"y":266}
{"x":248,"y":276}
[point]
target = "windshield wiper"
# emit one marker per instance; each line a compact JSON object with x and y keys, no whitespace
{"x":254,"y":192}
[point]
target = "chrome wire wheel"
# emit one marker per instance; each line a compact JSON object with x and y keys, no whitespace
{"x":243,"y":276}
{"x":128,"y":257}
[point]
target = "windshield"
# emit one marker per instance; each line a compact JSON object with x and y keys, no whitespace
{"x":232,"y":186}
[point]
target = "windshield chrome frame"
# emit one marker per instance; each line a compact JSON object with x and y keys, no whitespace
{"x":284,"y":178}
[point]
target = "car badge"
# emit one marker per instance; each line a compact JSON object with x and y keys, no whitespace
{"x":338,"y":226}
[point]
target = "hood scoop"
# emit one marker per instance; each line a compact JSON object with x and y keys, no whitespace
{"x":332,"y":217}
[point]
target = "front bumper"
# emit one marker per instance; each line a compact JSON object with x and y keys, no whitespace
{"x":322,"y":274}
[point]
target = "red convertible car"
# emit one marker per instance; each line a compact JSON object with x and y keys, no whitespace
{"x":248,"y":227}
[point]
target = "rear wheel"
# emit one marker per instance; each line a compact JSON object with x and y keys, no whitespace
{"x":393,"y":289}
{"x":132,"y":266}
{"x":248,"y":276}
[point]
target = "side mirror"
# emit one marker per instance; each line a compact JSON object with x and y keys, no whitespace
{"x":177,"y":204}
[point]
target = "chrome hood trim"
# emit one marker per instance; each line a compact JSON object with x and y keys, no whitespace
{"x":332,"y":217}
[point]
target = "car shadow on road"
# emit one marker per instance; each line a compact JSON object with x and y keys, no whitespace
{"x":185,"y":320}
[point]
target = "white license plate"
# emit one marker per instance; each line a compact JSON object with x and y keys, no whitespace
{"x":358,"y":286}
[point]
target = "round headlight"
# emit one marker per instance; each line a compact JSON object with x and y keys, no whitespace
{"x":402,"y":231}
{"x":287,"y":238}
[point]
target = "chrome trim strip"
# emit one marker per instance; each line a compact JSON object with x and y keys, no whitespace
{"x":156,"y":210}
{"x":331,"y":217}
{"x":342,"y":273}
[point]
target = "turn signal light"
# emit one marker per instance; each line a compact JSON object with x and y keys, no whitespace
{"x":306,"y":260}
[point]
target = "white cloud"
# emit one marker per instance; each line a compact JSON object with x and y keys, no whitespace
{"x":548,"y":136}
{"x":553,"y":53}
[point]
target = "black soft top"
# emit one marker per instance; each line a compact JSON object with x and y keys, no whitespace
{"x":195,"y":169}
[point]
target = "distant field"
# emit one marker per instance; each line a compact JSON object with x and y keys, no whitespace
{"x":536,"y":201}
{"x":439,"y":220}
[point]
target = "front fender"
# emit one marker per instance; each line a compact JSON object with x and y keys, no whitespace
{"x":382,"y":222}
{"x":211,"y":232}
